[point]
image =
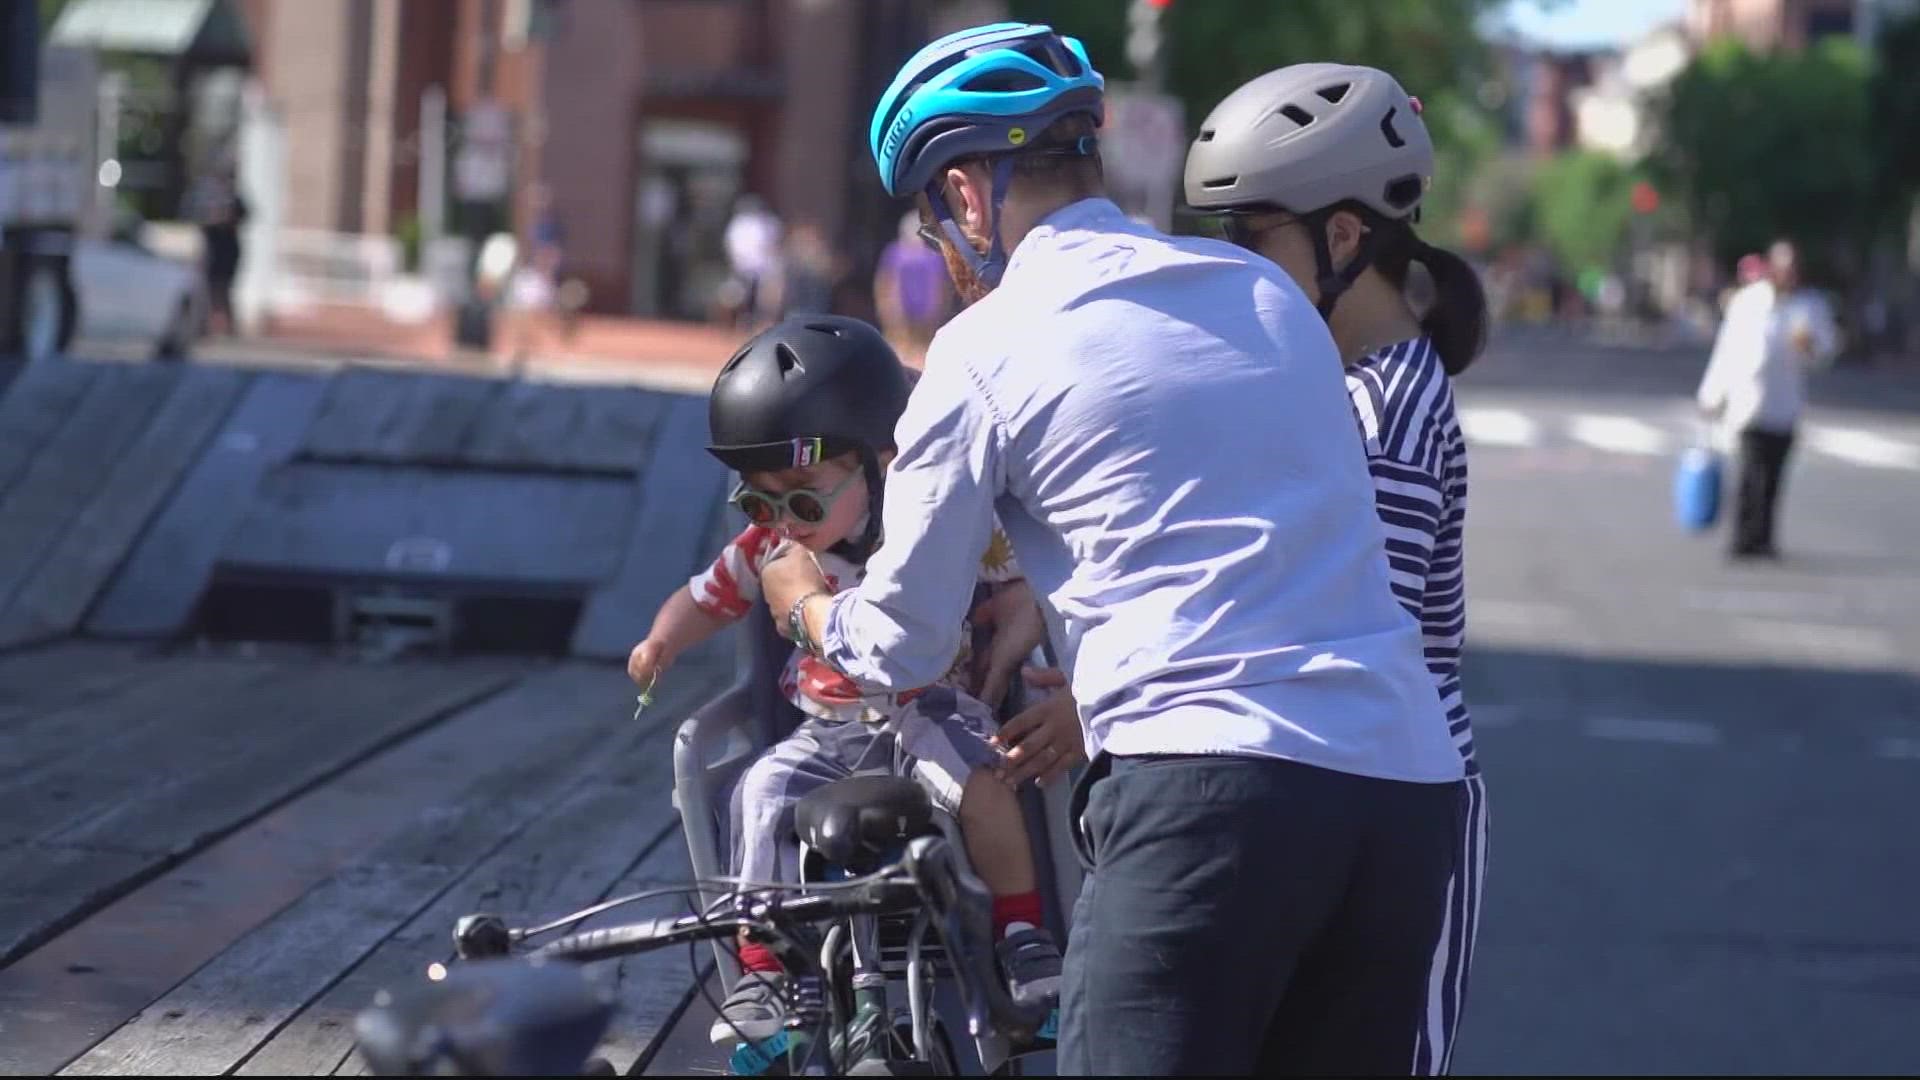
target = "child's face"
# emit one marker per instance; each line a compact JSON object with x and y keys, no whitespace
{"x":836,"y":483}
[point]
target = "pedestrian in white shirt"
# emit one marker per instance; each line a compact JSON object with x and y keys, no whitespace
{"x":1755,"y":387}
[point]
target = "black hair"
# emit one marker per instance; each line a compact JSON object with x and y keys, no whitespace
{"x":1456,"y":321}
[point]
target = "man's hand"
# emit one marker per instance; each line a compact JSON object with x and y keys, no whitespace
{"x":1018,"y":629}
{"x":791,"y":574}
{"x":1045,"y":740}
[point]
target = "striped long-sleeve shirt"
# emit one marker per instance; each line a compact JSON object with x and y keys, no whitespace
{"x":1404,"y":403}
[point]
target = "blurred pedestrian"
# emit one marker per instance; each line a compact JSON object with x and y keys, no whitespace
{"x":911,"y":291}
{"x":213,"y":202}
{"x":808,"y":267}
{"x":752,"y":242}
{"x":1754,"y":388}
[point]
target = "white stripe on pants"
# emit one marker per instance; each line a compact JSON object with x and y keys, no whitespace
{"x":1453,"y":957}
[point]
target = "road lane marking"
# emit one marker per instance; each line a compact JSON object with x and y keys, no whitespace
{"x":1642,"y":729}
{"x":1862,"y":447}
{"x":1498,"y":427}
{"x":1618,"y":434}
{"x":1824,"y":642}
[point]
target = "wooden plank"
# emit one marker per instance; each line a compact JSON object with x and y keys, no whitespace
{"x":678,"y":490}
{"x":143,"y":716}
{"x":33,"y":408}
{"x":540,"y":426}
{"x":72,"y":466}
{"x":317,"y":733}
{"x":566,"y":860}
{"x":544,"y":871}
{"x":523,"y":424}
{"x":194,"y":790}
{"x":566,"y":533}
{"x":617,"y":429}
{"x":45,"y":886}
{"x":155,"y":590}
{"x":436,"y":417}
{"x":89,"y":980}
{"x":360,"y":406}
{"x":208,"y":1024}
{"x":649,"y":989}
{"x":61,"y":674}
{"x":53,"y":602}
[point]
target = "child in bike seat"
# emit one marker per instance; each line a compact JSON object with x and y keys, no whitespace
{"x":805,"y":414}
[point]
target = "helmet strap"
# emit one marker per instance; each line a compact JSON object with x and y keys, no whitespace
{"x":869,"y":539}
{"x":1334,"y":283}
{"x":989,"y":267}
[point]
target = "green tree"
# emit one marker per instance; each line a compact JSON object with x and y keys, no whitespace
{"x":1756,"y":146}
{"x":1582,"y":202}
{"x":1894,"y":103}
{"x":1434,"y":47}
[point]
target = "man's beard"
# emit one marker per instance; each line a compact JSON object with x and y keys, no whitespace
{"x":966,"y":283}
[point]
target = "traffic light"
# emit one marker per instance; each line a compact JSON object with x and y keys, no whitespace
{"x":1646,"y":198}
{"x":1144,"y":40}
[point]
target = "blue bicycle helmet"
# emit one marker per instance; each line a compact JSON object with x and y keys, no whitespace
{"x":977,"y":92}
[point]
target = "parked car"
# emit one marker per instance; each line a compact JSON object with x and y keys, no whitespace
{"x":128,"y":293}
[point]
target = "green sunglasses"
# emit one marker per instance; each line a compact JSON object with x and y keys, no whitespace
{"x":805,"y":505}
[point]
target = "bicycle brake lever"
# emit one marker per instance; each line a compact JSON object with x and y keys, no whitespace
{"x":481,"y":937}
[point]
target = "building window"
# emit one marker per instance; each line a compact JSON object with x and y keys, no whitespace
{"x":1826,"y":22}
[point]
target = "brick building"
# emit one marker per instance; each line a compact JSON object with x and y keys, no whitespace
{"x":643,"y":120}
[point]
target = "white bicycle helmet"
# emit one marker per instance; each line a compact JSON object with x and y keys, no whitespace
{"x":1311,"y":136}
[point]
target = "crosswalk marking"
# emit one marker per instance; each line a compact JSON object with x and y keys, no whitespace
{"x":1664,"y":434}
{"x":1498,"y":427}
{"x":1619,"y":434}
{"x":1862,"y":447}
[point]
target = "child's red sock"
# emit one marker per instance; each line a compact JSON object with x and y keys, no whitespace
{"x":757,"y":957}
{"x":1022,"y":909}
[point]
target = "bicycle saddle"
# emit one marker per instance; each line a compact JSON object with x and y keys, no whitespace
{"x":860,"y":823}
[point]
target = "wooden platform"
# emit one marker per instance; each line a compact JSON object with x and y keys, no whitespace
{"x":210,"y":861}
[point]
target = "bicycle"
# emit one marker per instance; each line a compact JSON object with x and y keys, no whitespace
{"x":498,"y":1013}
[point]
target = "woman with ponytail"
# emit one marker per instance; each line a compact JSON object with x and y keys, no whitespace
{"x":1321,"y":168}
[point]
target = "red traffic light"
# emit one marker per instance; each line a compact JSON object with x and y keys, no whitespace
{"x":1645,"y":198}
{"x":1161,"y":4}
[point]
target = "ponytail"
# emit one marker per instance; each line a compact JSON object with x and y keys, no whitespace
{"x":1456,"y":321}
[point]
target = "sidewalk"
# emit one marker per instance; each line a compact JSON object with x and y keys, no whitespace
{"x":611,"y":349}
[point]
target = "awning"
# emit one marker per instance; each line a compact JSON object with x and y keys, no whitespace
{"x":207,"y":31}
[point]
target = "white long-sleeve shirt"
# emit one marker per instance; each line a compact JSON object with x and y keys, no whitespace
{"x":1163,"y":426}
{"x":1756,"y":377}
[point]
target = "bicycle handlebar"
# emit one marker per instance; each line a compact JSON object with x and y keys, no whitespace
{"x":956,"y":900}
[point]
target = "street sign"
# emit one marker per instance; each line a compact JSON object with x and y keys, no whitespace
{"x":482,"y":165}
{"x":1143,"y":145}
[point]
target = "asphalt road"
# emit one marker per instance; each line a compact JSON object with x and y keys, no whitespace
{"x":1704,"y":776}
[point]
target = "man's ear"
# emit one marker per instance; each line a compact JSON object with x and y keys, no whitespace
{"x":968,"y":195}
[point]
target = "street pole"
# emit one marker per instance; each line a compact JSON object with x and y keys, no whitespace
{"x":1146,"y":44}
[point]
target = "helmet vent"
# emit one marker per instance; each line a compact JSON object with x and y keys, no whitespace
{"x":1334,"y":93}
{"x":788,"y":359}
{"x":1386,"y":128}
{"x":1006,"y":81}
{"x":735,"y":362}
{"x":825,"y":328}
{"x":1206,"y":135}
{"x":1223,"y":182}
{"x":1296,"y":114}
{"x":1404,"y":192}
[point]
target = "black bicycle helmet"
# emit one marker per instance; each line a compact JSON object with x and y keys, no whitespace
{"x":809,"y":388}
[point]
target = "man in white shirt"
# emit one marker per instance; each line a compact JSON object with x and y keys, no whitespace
{"x":1755,"y":386}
